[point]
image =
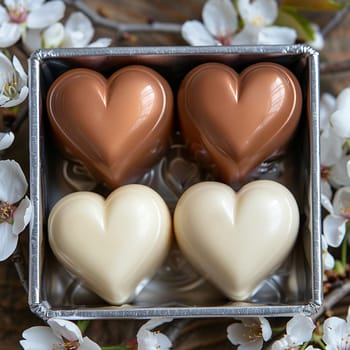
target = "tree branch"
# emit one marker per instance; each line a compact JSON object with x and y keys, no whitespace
{"x":332,"y":299}
{"x":334,"y":67}
{"x":123,"y":27}
{"x":335,"y":21}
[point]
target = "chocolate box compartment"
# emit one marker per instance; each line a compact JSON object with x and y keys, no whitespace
{"x":176,"y":290}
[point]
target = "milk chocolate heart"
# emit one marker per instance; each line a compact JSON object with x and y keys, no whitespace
{"x":236,"y":240}
{"x":113,"y":245}
{"x":117,"y":127}
{"x":232,"y":121}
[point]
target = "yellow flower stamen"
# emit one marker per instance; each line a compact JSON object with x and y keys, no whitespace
{"x":346,"y":212}
{"x":67,"y":345}
{"x":18,"y":13}
{"x":10,"y":88}
{"x":6,"y":212}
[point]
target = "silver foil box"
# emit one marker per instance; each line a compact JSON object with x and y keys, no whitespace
{"x":176,"y":290}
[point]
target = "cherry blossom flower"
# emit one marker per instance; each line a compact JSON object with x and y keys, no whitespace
{"x":60,"y":335}
{"x":250,"y":332}
{"x":221,"y":24}
{"x":327,"y":258}
{"x":299,"y":330}
{"x":336,"y":332}
{"x":258,"y":17}
{"x":13,"y":82}
{"x":148,"y":339}
{"x":318,"y":41}
{"x":6,"y":140}
{"x":15,"y":212}
{"x":334,"y":224}
{"x":335,"y":163}
{"x":18,"y":15}
{"x":220,"y":21}
{"x":78,"y":31}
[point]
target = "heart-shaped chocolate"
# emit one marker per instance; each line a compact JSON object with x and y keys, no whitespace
{"x":118,"y":127}
{"x":233,"y":122}
{"x":236,"y":240}
{"x":113,"y":245}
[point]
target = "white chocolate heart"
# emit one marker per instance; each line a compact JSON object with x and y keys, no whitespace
{"x":236,"y":240}
{"x":113,"y":245}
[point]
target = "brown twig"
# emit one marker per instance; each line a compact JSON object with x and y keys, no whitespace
{"x":332,"y":299}
{"x":334,"y":67}
{"x":123,"y":27}
{"x":335,"y":21}
{"x":21,"y":268}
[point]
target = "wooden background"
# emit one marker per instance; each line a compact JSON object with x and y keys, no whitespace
{"x":190,"y":334}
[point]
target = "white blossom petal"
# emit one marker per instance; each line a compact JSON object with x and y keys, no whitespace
{"x":331,"y":146}
{"x":326,"y":191}
{"x":8,"y":241}
{"x":340,"y":119}
{"x":328,"y":259}
{"x":49,"y":13}
{"x":13,"y":184}
{"x":38,"y":338}
{"x":19,"y":99}
{"x":196,"y":34}
{"x":326,"y":203}
{"x":34,"y":4}
{"x":88,"y":344}
{"x":153,"y":323}
{"x":327,"y":106}
{"x":250,"y":333}
{"x":6,"y":140}
{"x":300,"y":328}
{"x":265,"y":328}
{"x":339,"y":173}
{"x":258,"y":12}
{"x":275,"y":35}
{"x":281,"y":344}
{"x":10,"y":33}
{"x":101,"y":42}
{"x":247,"y":36}
{"x":341,"y":201}
{"x":53,"y":36}
{"x":3,"y":100}
{"x":236,"y":333}
{"x":65,"y":329}
{"x":220,"y":18}
{"x":340,"y":122}
{"x":334,"y":228}
{"x":79,"y":30}
{"x":32,"y":40}
{"x":4,"y":16}
{"x":318,"y":42}
{"x":148,"y":340}
{"x":332,"y":332}
{"x":19,"y":69}
{"x":5,"y":66}
{"x":22,"y":216}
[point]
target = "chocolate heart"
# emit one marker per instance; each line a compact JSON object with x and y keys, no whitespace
{"x":118,"y":127}
{"x":113,"y":245}
{"x":236,"y":239}
{"x":232,"y":121}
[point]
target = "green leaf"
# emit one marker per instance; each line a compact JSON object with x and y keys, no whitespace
{"x":315,"y":5}
{"x":289,"y":17}
{"x":83,"y":325}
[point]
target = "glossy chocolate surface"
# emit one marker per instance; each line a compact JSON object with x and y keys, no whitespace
{"x":233,"y":122}
{"x":117,"y":127}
